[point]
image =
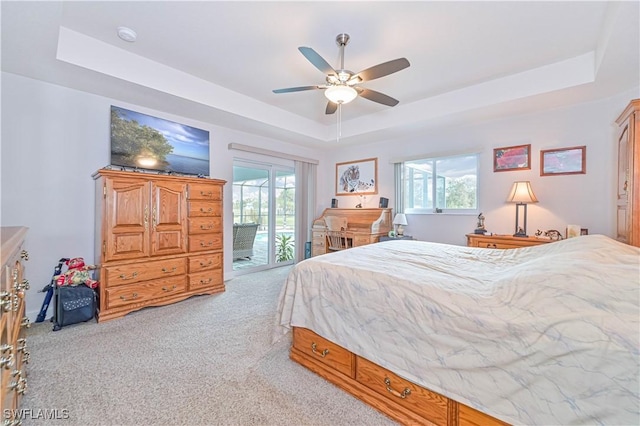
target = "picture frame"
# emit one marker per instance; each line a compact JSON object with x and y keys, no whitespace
{"x":357,"y":177}
{"x":563,"y":161}
{"x":510,"y":158}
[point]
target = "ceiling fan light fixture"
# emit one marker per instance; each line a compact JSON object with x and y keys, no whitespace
{"x":341,"y":94}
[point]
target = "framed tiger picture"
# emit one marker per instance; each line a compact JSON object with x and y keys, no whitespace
{"x":357,"y":177}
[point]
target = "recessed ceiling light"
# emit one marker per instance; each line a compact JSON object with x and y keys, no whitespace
{"x":127,"y":34}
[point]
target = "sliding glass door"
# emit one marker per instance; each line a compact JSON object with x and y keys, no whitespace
{"x":263,"y":215}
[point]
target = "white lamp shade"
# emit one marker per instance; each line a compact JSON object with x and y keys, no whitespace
{"x":340,"y":94}
{"x":400,"y":219}
{"x":521,"y":192}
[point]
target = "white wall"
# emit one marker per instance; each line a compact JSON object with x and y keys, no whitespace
{"x":53,"y":140}
{"x":586,"y":200}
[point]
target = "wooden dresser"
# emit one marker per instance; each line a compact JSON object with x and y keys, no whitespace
{"x":628,"y":182}
{"x":503,"y":241}
{"x":13,"y":345}
{"x":158,"y":239}
{"x":364,"y":226}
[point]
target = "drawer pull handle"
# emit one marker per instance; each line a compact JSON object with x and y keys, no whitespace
{"x":169,"y":289}
{"x":206,"y":194}
{"x":26,"y":322}
{"x":6,"y":362}
{"x":168,"y":271}
{"x":124,"y":277}
{"x":322,"y":354}
{"x":203,"y":210}
{"x":205,"y":282}
{"x":405,"y":393}
{"x":206,"y":227}
{"x":206,"y":264}
{"x":133,"y":296}
{"x":5,"y":301}
{"x":203,"y":244}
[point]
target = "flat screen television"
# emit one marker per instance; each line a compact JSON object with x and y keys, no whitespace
{"x":140,"y":141}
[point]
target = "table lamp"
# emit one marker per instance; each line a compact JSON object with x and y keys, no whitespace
{"x":400,"y":220}
{"x":521,"y":194}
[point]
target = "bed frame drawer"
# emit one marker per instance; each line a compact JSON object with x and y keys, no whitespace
{"x":467,"y":416}
{"x":328,"y":353}
{"x":427,"y":404}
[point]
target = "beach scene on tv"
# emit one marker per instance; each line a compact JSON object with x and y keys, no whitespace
{"x":141,"y":141}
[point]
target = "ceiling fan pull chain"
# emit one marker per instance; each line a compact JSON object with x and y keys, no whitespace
{"x":339,"y":126}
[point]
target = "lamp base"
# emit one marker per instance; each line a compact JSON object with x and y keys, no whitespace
{"x":521,"y":235}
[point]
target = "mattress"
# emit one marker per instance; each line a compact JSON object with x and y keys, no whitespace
{"x":538,"y":335}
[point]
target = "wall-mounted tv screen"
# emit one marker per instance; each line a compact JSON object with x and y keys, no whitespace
{"x":141,"y":141}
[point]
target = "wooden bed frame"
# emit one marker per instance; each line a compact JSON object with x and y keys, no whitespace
{"x":380,"y":388}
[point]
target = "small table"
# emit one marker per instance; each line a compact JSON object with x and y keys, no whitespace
{"x":388,"y":238}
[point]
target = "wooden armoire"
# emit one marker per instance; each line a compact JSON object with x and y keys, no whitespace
{"x":158,"y":239}
{"x":628,"y":182}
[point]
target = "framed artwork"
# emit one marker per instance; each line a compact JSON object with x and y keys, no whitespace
{"x":563,"y":161}
{"x":512,"y":158}
{"x":357,"y":177}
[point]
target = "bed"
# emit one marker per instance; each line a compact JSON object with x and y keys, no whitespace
{"x":429,"y":332}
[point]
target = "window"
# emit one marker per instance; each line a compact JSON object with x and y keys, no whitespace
{"x":440,"y":184}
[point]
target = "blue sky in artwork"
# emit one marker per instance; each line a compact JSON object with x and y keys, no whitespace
{"x":187,"y":141}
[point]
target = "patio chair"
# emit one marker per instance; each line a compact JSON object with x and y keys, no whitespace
{"x":244,"y":234}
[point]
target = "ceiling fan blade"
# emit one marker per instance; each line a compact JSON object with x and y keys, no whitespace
{"x":331,"y":108}
{"x":383,"y":69}
{"x":295,"y":89}
{"x":317,"y":60}
{"x":378,"y":97}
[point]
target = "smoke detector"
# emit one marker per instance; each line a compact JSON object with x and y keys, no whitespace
{"x":127,"y":34}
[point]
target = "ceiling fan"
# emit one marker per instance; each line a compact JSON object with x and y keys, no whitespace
{"x":342,"y":85}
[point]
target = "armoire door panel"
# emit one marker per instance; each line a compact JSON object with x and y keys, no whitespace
{"x":128,"y":219}
{"x":169,"y":218}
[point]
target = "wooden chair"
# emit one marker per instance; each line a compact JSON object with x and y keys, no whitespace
{"x":337,"y":233}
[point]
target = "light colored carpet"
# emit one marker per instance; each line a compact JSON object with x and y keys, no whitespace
{"x":208,"y":360}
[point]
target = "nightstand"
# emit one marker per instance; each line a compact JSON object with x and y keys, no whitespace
{"x":388,"y":238}
{"x":503,"y":241}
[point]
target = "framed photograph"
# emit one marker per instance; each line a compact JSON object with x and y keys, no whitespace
{"x":563,"y":161}
{"x":512,"y":158}
{"x":357,"y":177}
{"x":584,"y":231}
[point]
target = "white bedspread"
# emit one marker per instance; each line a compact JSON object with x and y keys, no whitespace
{"x":540,"y":335}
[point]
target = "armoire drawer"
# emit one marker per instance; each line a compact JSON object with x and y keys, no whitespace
{"x":144,"y":291}
{"x":205,"y":208}
{"x":205,"y":191}
{"x":204,"y":225}
{"x":205,"y":262}
{"x":143,"y":271}
{"x":206,"y":279}
{"x":421,"y":401}
{"x":205,"y":242}
{"x":323,"y":350}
